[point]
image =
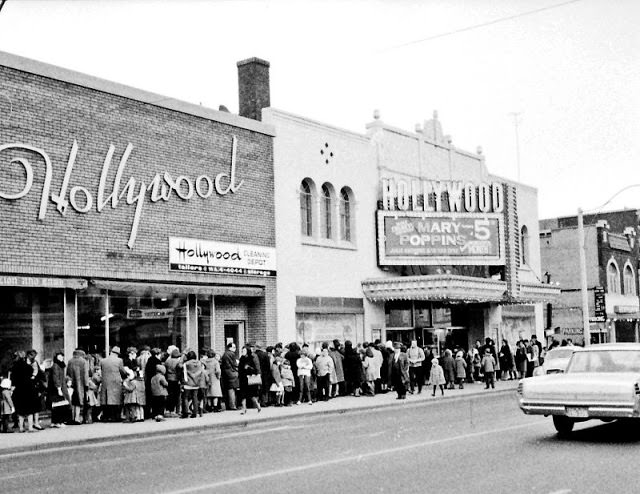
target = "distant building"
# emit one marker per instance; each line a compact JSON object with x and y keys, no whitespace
{"x":612,"y":255}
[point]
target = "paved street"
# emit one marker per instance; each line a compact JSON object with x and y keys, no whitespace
{"x":468,"y":444}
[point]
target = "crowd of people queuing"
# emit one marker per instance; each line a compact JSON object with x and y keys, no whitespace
{"x":150,"y":383}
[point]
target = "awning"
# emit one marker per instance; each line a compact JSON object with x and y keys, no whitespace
{"x":181,"y":289}
{"x":455,"y":289}
{"x":42,"y":282}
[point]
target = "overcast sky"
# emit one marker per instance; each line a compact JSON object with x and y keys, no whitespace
{"x":569,"y":69}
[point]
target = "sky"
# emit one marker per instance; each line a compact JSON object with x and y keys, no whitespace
{"x":548,"y":88}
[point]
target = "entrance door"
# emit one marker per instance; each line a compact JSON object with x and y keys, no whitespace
{"x":234,"y":331}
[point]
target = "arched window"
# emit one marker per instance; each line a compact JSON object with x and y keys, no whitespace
{"x":613,"y":277}
{"x":345,"y":215}
{"x":327,"y":209}
{"x":524,"y":245}
{"x":629,"y":280}
{"x":306,"y":208}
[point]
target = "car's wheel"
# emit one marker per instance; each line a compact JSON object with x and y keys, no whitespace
{"x":564,"y":425}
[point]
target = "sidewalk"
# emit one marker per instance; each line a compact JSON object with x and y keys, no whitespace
{"x":107,"y":432}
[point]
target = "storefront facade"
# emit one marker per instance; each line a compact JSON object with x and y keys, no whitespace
{"x":128,"y":218}
{"x":612,"y":255}
{"x":367,"y":284}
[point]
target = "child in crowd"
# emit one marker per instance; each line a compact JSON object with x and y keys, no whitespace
{"x":436,"y":377}
{"x":287,"y":381}
{"x":277,"y":388}
{"x":488,"y":365}
{"x":133,"y":409}
{"x":461,"y":369}
{"x":93,"y":412}
{"x":159,"y":393}
{"x":6,"y":405}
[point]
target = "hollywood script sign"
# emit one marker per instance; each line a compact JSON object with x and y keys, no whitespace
{"x":81,"y":199}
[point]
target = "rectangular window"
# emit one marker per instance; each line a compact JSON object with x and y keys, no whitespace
{"x":327,"y":217}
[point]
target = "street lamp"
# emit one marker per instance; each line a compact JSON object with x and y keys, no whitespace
{"x":586,"y":334}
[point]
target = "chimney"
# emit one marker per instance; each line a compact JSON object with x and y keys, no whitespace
{"x":253,"y":87}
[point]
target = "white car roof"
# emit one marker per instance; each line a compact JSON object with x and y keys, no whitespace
{"x":609,"y":346}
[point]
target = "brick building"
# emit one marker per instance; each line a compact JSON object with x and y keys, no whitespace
{"x":612,"y":259}
{"x":129,"y":218}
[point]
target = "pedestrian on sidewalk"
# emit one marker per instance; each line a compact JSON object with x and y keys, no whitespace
{"x":371,"y":370}
{"x":277,"y":388}
{"x":159,"y":392}
{"x":449,"y":368}
{"x":287,"y":382}
{"x":78,"y":372}
{"x":461,"y":369}
{"x":133,"y":409}
{"x":436,"y":377}
{"x":400,"y":371}
{"x":6,"y":405}
{"x":58,"y":392}
{"x":324,"y":367}
{"x":415,"y":354}
{"x":26,"y":396}
{"x":113,"y":373}
{"x":489,"y":366}
{"x":337,"y":388}
{"x":353,"y":370}
{"x":249,"y":370}
{"x":173,"y":365}
{"x":193,"y":376}
{"x":304,"y":365}
{"x":230,"y":382}
{"x":214,"y":389}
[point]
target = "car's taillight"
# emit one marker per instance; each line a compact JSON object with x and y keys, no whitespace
{"x":637,"y":388}
{"x":521,"y":387}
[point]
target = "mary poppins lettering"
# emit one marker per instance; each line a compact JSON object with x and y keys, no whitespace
{"x":81,"y":199}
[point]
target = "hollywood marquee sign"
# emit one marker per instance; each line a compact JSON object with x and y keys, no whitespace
{"x":458,"y":223}
{"x":134,"y":192}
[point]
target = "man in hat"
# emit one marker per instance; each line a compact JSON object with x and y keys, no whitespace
{"x":399,"y":371}
{"x":111,"y":390}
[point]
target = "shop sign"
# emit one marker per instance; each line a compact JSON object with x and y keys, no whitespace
{"x":81,"y":197}
{"x":434,"y":239}
{"x":206,"y":256}
{"x":149,"y":313}
{"x":453,"y":196}
{"x":35,"y":282}
{"x":599,"y":303}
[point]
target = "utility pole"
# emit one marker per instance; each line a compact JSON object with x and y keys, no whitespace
{"x":586,"y":334}
{"x":516,"y":124}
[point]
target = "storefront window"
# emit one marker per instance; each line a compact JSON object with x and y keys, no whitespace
{"x":398,"y":315}
{"x":205,"y":341}
{"x":423,"y":314}
{"x":136,"y":320}
{"x":30,"y":318}
{"x":92,"y":322}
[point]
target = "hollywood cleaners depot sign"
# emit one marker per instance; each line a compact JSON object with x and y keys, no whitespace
{"x":205,"y":256}
{"x":459,"y":223}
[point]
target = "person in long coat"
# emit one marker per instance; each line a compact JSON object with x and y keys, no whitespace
{"x":249,"y":366}
{"x":436,"y":377}
{"x":449,"y":368}
{"x":230,"y":382}
{"x":214,"y":389}
{"x":353,"y":369}
{"x":78,"y":372}
{"x":400,"y":371}
{"x":58,"y":392}
{"x":113,"y":372}
{"x":26,"y":397}
{"x":338,"y":359}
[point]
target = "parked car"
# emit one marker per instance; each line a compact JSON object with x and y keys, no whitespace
{"x":555,"y":361}
{"x":600,"y":382}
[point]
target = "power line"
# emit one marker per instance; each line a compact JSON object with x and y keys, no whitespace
{"x":483,"y":24}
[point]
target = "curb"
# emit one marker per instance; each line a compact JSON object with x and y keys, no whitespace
{"x":96,"y":441}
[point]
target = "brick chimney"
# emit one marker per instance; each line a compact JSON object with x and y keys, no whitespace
{"x":253,"y":87}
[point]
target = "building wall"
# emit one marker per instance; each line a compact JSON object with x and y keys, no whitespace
{"x":50,"y":115}
{"x":316,"y":267}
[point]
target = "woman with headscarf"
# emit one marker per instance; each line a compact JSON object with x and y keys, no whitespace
{"x":58,"y":392}
{"x":249,"y":366}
